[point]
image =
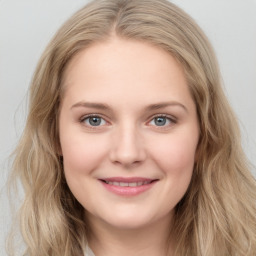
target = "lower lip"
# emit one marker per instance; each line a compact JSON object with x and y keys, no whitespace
{"x":128,"y":191}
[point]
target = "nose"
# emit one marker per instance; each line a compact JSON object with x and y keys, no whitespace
{"x":127,"y":147}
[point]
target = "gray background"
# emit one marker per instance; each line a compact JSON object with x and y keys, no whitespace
{"x":26,"y":26}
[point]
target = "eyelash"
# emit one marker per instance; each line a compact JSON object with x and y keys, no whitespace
{"x":83,"y":119}
{"x":171,"y":119}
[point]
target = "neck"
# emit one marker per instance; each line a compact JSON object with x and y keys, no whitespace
{"x":154,"y":239}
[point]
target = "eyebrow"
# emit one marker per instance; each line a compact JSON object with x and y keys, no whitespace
{"x":91,"y":105}
{"x":150,"y":107}
{"x":165,"y":104}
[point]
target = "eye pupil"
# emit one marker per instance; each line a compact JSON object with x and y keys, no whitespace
{"x":160,"y":121}
{"x":94,"y":121}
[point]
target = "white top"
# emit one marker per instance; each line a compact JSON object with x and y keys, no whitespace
{"x":88,"y":252}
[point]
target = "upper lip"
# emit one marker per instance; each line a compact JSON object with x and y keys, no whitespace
{"x":128,"y":179}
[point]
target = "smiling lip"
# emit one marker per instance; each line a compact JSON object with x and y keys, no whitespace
{"x":128,"y":186}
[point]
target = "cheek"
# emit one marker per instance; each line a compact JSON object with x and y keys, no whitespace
{"x":81,"y":153}
{"x":175,"y":154}
{"x":81,"y":156}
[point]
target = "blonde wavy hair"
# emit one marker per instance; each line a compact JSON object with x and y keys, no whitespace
{"x":217,"y":215}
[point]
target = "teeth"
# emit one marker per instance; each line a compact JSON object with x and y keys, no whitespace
{"x":128,"y":184}
{"x":123,"y":184}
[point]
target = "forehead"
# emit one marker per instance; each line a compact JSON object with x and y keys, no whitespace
{"x":118,"y":66}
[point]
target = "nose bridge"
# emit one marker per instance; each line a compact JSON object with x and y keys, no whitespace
{"x":127,"y":147}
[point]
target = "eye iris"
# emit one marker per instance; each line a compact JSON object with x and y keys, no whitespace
{"x":94,"y":121}
{"x":160,"y":121}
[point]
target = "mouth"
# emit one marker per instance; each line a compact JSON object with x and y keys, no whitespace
{"x":128,"y":186}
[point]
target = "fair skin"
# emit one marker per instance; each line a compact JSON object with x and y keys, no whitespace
{"x":144,"y":129}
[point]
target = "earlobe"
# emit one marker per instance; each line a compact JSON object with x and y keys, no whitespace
{"x":197,"y":153}
{"x":58,"y":149}
{"x":196,"y":156}
{"x":198,"y":147}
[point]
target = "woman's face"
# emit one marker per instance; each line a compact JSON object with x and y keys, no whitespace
{"x":128,"y":132}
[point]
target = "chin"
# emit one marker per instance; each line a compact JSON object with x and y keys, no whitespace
{"x":129,"y":219}
{"x":128,"y":224}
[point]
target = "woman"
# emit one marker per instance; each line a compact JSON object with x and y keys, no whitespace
{"x":130,"y":146}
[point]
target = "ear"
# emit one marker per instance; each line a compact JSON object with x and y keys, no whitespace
{"x":197,"y":153}
{"x":58,"y":148}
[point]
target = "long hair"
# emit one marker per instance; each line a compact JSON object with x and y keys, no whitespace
{"x":217,"y":215}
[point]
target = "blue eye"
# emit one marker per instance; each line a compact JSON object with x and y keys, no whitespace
{"x":161,"y":121}
{"x":94,"y":121}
